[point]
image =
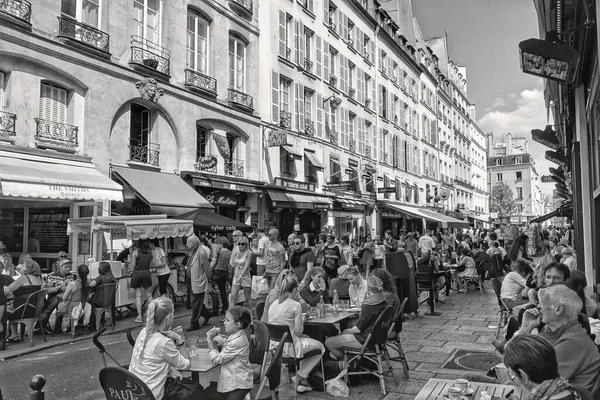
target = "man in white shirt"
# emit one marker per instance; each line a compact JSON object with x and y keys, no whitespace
{"x":358,"y":287}
{"x":426,"y":243}
{"x":568,"y":258}
{"x":261,"y":252}
{"x":514,"y":286}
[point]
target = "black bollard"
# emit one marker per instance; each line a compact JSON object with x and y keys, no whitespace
{"x":37,"y":384}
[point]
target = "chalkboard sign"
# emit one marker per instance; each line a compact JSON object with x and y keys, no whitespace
{"x":48,"y":230}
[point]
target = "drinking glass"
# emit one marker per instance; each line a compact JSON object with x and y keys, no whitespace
{"x":190,"y":343}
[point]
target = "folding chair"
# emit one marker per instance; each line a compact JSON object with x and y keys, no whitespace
{"x":119,"y":383}
{"x":273,"y":372}
{"x":373,"y":348}
{"x":106,"y":293}
{"x":259,"y":310}
{"x":505,"y":311}
{"x":36,"y":298}
{"x":393,"y":340}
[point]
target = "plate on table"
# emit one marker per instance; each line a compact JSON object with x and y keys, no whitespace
{"x":353,"y":309}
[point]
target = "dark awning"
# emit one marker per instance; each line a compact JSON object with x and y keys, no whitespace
{"x":293,"y":200}
{"x":208,"y":221}
{"x":566,"y":208}
{"x":165,"y":193}
{"x":444,"y":220}
{"x":292,"y":151}
{"x":312,"y":158}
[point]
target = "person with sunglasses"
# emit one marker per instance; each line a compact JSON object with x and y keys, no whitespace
{"x":240,"y":261}
{"x":302,"y":258}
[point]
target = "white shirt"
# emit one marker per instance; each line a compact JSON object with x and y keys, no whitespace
{"x":358,"y":294}
{"x":426,"y":243}
{"x":263,"y":243}
{"x":157,"y":254}
{"x":512,"y":286}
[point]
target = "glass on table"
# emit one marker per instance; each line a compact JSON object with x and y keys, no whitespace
{"x":191,"y":344}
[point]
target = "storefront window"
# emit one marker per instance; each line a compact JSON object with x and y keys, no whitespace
{"x":84,"y":239}
{"x":12,"y":224}
{"x":48,"y":230}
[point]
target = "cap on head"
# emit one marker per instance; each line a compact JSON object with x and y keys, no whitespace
{"x":566,"y":250}
{"x":342,"y":271}
{"x":64,"y":262}
{"x":410,"y":234}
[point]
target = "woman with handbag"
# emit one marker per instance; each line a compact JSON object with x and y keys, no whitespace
{"x":199,"y":274}
{"x":240,"y":261}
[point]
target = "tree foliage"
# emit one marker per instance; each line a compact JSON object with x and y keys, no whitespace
{"x":502,"y":201}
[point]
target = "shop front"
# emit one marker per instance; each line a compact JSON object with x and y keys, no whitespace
{"x":348,"y":218}
{"x":39,"y":192}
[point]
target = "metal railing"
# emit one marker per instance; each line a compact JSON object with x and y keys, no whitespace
{"x":234,"y":167}
{"x":20,"y":9}
{"x":241,"y":99}
{"x":83,"y":33}
{"x":144,"y":152}
{"x":200,"y":81}
{"x":56,"y":133}
{"x":7,"y":124}
{"x":150,"y":55}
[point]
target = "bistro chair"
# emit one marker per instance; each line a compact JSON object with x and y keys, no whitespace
{"x":259,"y":310}
{"x":372,"y":349}
{"x":505,"y":312}
{"x":105,"y":295}
{"x":259,"y":351}
{"x":273,"y":372}
{"x":36,"y":298}
{"x":393,"y":339}
{"x":119,"y":383}
{"x":130,"y":338}
{"x":282,"y":333}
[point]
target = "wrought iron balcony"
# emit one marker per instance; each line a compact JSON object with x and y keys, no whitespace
{"x":285,"y":119}
{"x":234,"y":167}
{"x":56,"y":133}
{"x":83,"y":33}
{"x":206,"y":162}
{"x":240,"y":99}
{"x":242,"y":6}
{"x":7,"y":125}
{"x":150,"y":56}
{"x":309,"y":127}
{"x":19,"y":9}
{"x":198,"y":81}
{"x":144,"y":152}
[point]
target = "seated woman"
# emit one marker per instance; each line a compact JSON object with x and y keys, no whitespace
{"x":29,"y":282}
{"x":355,"y":337}
{"x":159,"y":352}
{"x":76,"y":292}
{"x":235,"y":377}
{"x":274,"y":294}
{"x":287,"y":311}
{"x":105,"y":277}
{"x":466,"y":269}
{"x":514,"y":287}
{"x":316,"y":289}
{"x":532,"y":364}
{"x":390,"y":291}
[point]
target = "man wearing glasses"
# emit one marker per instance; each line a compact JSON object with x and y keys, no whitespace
{"x":302,"y":258}
{"x":275,"y":258}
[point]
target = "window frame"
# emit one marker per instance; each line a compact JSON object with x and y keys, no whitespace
{"x":144,"y":33}
{"x":197,"y":19}
{"x":79,"y":12}
{"x":237,"y":40}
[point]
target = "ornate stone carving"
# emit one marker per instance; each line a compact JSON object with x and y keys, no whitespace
{"x":149,"y":90}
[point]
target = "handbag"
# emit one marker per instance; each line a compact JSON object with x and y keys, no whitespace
{"x":260,"y":287}
{"x":182,"y":389}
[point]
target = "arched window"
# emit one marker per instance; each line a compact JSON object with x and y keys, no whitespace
{"x":237,"y":63}
{"x":198,"y":43}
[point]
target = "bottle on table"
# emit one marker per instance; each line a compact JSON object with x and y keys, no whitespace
{"x":321,"y":307}
{"x":335,"y":301}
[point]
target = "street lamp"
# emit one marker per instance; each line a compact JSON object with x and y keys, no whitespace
{"x":335,"y":101}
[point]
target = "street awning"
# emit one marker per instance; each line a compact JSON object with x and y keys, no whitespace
{"x":290,"y":149}
{"x":444,"y":220}
{"x":566,"y":208}
{"x":46,"y":177}
{"x":312,"y":158}
{"x":208,"y":221}
{"x":165,"y":193}
{"x":293,"y":200}
{"x":134,"y":227}
{"x":350,"y":203}
{"x":412,"y":211}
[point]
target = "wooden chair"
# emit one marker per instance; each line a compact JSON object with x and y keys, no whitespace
{"x":282,"y":333}
{"x":106,"y":293}
{"x":505,"y":312}
{"x":273,"y":373}
{"x":119,"y":383}
{"x":393,"y":340}
{"x":260,"y":351}
{"x":36,"y":298}
{"x":372,"y":348}
{"x":259,"y":310}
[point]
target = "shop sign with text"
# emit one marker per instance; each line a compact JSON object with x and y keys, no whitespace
{"x":291,"y":184}
{"x":342,"y":185}
{"x":221,"y":200}
{"x":277,"y":138}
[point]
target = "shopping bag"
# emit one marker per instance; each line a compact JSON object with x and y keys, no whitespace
{"x":240,"y":298}
{"x":336,"y":387}
{"x":260,"y":287}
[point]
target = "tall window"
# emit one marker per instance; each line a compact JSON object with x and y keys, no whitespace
{"x":518,"y":160}
{"x":308,"y":38}
{"x":2,"y":78}
{"x":197,"y":43}
{"x":519,"y":193}
{"x":498,"y":161}
{"x":284,"y":90}
{"x":335,"y":171}
{"x":201,"y":141}
{"x":87,"y":11}
{"x":146,"y":19}
{"x":53,"y":103}
{"x":140,"y":125}
{"x":237,"y":63}
{"x":519,"y":176}
{"x":499,"y":177}
{"x":352,"y":128}
{"x":308,"y":104}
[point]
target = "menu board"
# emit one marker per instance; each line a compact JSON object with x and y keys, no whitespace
{"x":48,"y":230}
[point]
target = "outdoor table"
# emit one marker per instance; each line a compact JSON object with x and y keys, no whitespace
{"x":333,"y":318}
{"x":202,"y":367}
{"x":316,"y":326}
{"x":438,"y":389}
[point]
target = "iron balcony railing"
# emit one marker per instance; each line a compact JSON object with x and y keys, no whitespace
{"x":234,"y":167}
{"x":20,"y":9}
{"x":56,"y":133}
{"x":7,"y":125}
{"x":150,"y":55}
{"x":198,"y":80}
{"x":241,"y":99}
{"x":83,"y":33}
{"x":245,"y":4}
{"x":144,"y":152}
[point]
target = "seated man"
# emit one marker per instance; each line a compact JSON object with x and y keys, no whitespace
{"x":358,"y":287}
{"x":514,"y":287}
{"x":423,"y":267}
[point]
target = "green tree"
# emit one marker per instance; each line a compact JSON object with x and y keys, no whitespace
{"x":502,"y":201}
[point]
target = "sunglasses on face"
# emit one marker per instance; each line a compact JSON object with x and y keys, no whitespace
{"x":297,"y":243}
{"x":242,"y":244}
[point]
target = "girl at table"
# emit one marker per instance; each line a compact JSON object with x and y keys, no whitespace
{"x":316,"y":289}
{"x":235,"y":377}
{"x":355,"y":337}
{"x":466,"y":269}
{"x":287,"y":311}
{"x":159,"y":352}
{"x":273,"y":295}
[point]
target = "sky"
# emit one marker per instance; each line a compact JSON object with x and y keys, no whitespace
{"x":484,"y":36}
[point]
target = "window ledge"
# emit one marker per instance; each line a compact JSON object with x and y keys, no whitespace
{"x":309,"y":74}
{"x":308,"y":12}
{"x":286,"y":61}
{"x":148,"y":167}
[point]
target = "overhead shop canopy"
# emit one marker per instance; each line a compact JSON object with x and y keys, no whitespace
{"x":293,"y":200}
{"x":164,"y":193}
{"x":132,"y":226}
{"x":444,"y":220}
{"x":350,"y":203}
{"x":290,"y":149}
{"x":412,"y":211}
{"x":312,"y":158}
{"x":566,"y":208}
{"x":209,"y":221}
{"x":47,"y":177}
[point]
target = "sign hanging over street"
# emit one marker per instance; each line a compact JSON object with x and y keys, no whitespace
{"x":277,"y":138}
{"x":290,"y":184}
{"x":386,"y":190}
{"x":342,"y":185}
{"x":556,"y":158}
{"x":546,"y":137}
{"x":547,"y":179}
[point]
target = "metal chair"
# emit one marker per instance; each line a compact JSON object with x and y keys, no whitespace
{"x":373,"y":348}
{"x":67,"y":313}
{"x":106,"y":294}
{"x":282,"y":333}
{"x":36,"y":298}
{"x":119,"y":383}
{"x":260,"y":351}
{"x":393,"y":340}
{"x":505,"y":312}
{"x":273,"y":372}
{"x":259,"y":310}
{"x":130,"y":338}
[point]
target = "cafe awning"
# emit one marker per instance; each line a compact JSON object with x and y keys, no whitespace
{"x":294,"y":200}
{"x":565,"y":208}
{"x":312,"y":158}
{"x":208,"y":221}
{"x":444,"y":220}
{"x":132,"y":226}
{"x":411,"y":211}
{"x":290,"y":149}
{"x":46,"y":177}
{"x":164,"y":193}
{"x":350,"y":203}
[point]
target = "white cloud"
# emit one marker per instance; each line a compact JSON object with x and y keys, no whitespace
{"x":530,"y":113}
{"x":499,"y":102}
{"x":512,"y":95}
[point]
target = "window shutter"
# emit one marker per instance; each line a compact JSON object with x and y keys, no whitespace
{"x":372,"y":45}
{"x":326,"y":12}
{"x":340,"y":24}
{"x":358,"y":37}
{"x":300,"y":108}
{"x":379,"y":58}
{"x":373,"y":94}
{"x":1,"y":91}
{"x":274,"y":96}
{"x":53,"y":103}
{"x":296,"y":106}
{"x":326,"y":62}
{"x":380,"y":99}
{"x":302,"y":45}
{"x":319,"y":130}
{"x":282,"y":34}
{"x":296,"y":58}
{"x":359,"y":85}
{"x":344,"y":73}
{"x":319,"y":55}
{"x":344,"y":30}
